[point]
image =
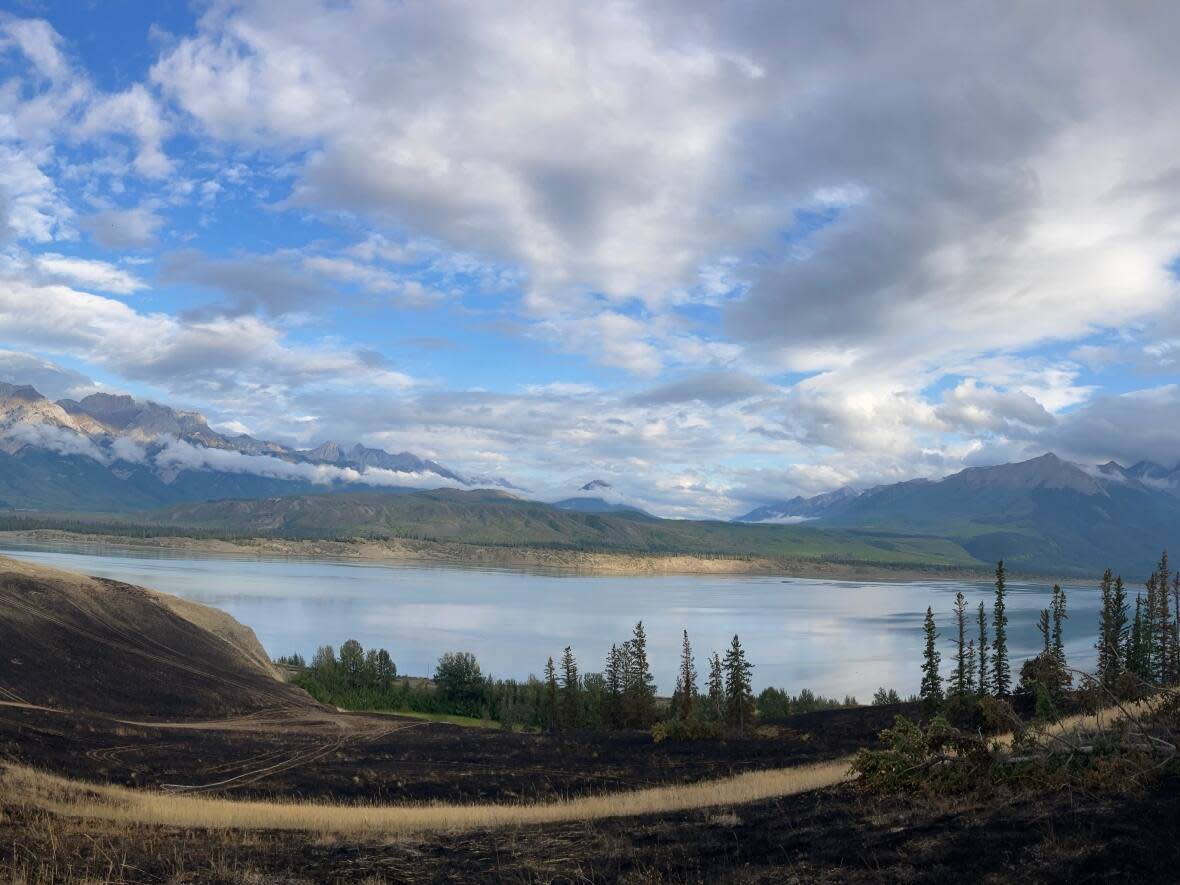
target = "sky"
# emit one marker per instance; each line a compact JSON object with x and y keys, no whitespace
{"x":712,"y":254}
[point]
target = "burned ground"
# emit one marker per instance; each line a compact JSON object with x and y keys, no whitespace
{"x":104,"y":684}
{"x":834,"y":835}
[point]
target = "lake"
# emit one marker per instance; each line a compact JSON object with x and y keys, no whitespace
{"x":834,"y":637}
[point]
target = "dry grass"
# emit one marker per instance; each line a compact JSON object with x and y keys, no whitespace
{"x":73,"y":799}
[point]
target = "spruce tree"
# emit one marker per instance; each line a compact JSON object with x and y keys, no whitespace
{"x":1137,"y":659}
{"x":1107,"y":644}
{"x":1001,"y":669}
{"x":1120,"y":624}
{"x":614,"y":677}
{"x":961,"y":675}
{"x":1163,"y":623}
{"x":1057,"y":609}
{"x":931,"y":690}
{"x":1174,"y":670}
{"x":716,"y":703}
{"x":686,"y":682}
{"x":1043,"y":629}
{"x":1148,"y":632}
{"x":739,"y":695}
{"x":640,"y":693}
{"x":971,"y":667}
{"x":571,"y":700}
{"x":983,"y":683}
{"x":550,"y":695}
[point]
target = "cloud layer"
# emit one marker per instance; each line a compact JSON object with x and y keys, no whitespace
{"x":713,"y":255}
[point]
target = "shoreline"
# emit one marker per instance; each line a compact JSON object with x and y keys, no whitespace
{"x":444,"y":553}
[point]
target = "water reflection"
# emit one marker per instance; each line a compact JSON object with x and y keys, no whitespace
{"x":834,"y":637}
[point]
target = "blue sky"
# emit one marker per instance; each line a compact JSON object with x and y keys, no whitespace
{"x":712,"y":259}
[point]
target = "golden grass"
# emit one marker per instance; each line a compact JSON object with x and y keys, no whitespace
{"x":1091,"y":722}
{"x":74,"y":799}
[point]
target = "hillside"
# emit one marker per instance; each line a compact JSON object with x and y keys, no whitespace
{"x":495,"y":518}
{"x":79,"y":644}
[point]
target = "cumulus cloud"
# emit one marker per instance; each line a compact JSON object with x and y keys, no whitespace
{"x":1127,"y":428}
{"x":851,"y":243}
{"x":971,"y":408}
{"x":238,"y":357}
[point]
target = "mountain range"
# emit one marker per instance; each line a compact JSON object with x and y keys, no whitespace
{"x":116,"y":453}
{"x":1045,"y":515}
{"x":1042,"y":513}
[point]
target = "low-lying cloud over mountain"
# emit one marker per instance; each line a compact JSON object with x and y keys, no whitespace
{"x":137,"y":454}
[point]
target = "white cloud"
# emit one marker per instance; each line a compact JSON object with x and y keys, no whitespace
{"x":180,"y":455}
{"x":88,"y":272}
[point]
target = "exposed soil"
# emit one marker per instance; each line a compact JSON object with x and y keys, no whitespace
{"x":92,"y":645}
{"x":524,"y":558}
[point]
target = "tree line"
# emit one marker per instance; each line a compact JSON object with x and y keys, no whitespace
{"x":620,"y":696}
{"x":1136,"y":652}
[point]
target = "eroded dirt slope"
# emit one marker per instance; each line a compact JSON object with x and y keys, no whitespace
{"x":91,"y":645}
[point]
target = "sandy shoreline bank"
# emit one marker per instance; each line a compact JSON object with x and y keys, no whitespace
{"x":524,"y":558}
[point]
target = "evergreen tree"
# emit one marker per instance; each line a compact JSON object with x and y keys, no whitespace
{"x":1137,"y":659}
{"x":971,"y":689}
{"x":1163,"y":623}
{"x":1174,"y":669}
{"x":983,"y":683}
{"x":716,"y":702}
{"x":1043,"y":629}
{"x":1109,"y":632}
{"x":931,"y":690}
{"x":1057,"y":608}
{"x":1149,"y":633}
{"x":571,"y":701}
{"x":1001,"y":669}
{"x":639,"y":695}
{"x":686,"y":682}
{"x":1120,"y":624}
{"x":739,"y":696}
{"x":960,"y":677}
{"x":615,"y":676}
{"x":550,"y":706}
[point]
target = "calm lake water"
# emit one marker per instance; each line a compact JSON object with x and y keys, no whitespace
{"x":834,"y":637}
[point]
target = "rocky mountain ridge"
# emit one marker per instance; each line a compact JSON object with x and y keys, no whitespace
{"x":114,"y":452}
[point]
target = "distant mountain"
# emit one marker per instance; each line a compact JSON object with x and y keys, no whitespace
{"x":596,"y":505}
{"x":116,"y":453}
{"x":800,"y":509}
{"x":594,"y":485}
{"x":1045,"y":513}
